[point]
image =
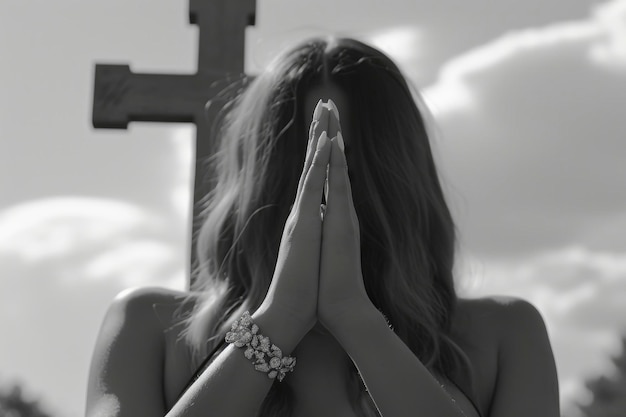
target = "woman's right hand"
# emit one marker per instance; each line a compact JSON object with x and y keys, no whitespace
{"x":294,"y":286}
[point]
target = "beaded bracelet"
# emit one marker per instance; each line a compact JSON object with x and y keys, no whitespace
{"x":258,"y":346}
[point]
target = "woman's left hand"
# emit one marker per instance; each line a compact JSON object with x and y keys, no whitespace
{"x":341,"y":287}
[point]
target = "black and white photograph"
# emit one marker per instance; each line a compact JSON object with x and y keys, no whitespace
{"x":290,"y":208}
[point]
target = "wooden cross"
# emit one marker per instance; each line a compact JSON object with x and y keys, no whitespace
{"x":121,"y":96}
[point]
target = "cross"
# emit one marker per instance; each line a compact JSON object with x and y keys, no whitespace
{"x":121,"y":96}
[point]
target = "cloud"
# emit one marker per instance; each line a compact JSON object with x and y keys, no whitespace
{"x":90,"y":239}
{"x":453,"y":90}
{"x":603,"y":33}
{"x":55,"y":227}
{"x":611,"y":51}
{"x":580,"y":295}
{"x":136,"y":263}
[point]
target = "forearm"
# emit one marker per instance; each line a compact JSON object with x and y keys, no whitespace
{"x":397,"y":381}
{"x":230,"y":386}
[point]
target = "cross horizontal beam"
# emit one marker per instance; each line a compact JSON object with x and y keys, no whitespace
{"x":121,"y":96}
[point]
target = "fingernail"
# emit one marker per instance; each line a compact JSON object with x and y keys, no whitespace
{"x":342,"y":146}
{"x":333,"y":107}
{"x":318,"y":110}
{"x":322,"y":140}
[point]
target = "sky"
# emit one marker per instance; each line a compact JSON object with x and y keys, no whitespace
{"x":527,"y":121}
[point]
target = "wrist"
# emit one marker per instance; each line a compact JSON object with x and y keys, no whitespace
{"x":355,"y":315}
{"x":295,"y":314}
{"x":284,"y":330}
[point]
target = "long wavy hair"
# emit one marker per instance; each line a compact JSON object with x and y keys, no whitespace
{"x":407,"y":232}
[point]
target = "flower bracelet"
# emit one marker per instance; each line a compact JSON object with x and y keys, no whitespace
{"x":258,"y":347}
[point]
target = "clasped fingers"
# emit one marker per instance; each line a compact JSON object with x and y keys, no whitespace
{"x":310,"y":198}
{"x":319,"y":124}
{"x":340,"y":211}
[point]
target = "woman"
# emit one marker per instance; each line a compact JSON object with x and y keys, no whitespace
{"x":344,"y":263}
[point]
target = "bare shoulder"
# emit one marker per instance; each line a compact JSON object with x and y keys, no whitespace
{"x":149,"y":293}
{"x":149,"y":303}
{"x":524,"y":368}
{"x":502,"y":315}
{"x":143,"y":310}
{"x":126,"y":365}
